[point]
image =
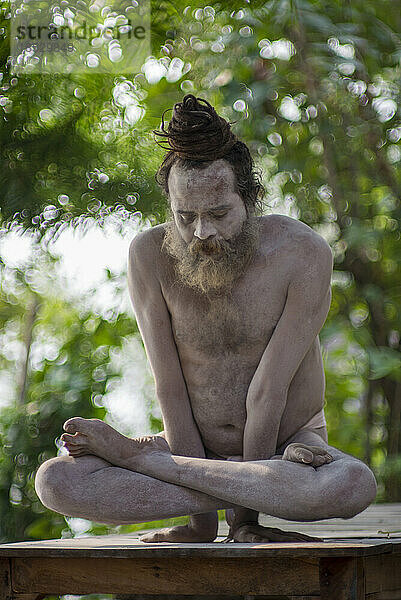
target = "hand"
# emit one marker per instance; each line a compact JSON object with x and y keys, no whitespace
{"x":256,"y":534}
{"x":200,"y":529}
{"x":237,"y":517}
{"x":244,"y":528}
{"x":305,"y":454}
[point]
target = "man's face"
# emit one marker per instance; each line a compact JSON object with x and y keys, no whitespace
{"x":205,"y":205}
{"x":212,"y":237}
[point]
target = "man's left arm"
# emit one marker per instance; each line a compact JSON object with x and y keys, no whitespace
{"x":305,"y":311}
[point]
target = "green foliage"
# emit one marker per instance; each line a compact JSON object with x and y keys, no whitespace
{"x":314,"y":89}
{"x":68,"y":376}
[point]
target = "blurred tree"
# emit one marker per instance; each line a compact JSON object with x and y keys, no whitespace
{"x":66,"y":151}
{"x":59,"y":355}
{"x":314,"y":86}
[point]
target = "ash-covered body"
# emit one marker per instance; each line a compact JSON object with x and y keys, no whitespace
{"x":221,"y":338}
{"x":229,"y":306}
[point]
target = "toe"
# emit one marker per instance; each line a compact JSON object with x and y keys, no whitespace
{"x":322,"y":459}
{"x":76,"y":424}
{"x":77,"y":451}
{"x":76,"y":439}
{"x":72,"y":425}
{"x":318,"y":461}
{"x":304,"y":455}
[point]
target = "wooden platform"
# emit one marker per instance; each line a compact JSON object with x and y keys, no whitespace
{"x":360,"y":558}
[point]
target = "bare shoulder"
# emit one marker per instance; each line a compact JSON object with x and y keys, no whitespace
{"x":295,"y":239}
{"x":145,"y":247}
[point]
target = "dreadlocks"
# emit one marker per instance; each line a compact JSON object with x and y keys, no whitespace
{"x":196,"y":136}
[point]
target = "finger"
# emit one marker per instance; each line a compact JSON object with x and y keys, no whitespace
{"x":302,"y":536}
{"x":258,"y":539}
{"x":292,"y":536}
{"x":152,"y":538}
{"x":284,"y":536}
{"x":309,"y":538}
{"x":244,"y":536}
{"x":268,"y":535}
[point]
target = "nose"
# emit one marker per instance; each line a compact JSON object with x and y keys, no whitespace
{"x":204,"y":229}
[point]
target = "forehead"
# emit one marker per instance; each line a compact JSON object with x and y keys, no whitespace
{"x":206,"y":185}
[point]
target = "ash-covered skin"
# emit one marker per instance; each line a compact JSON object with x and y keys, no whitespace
{"x":238,"y":370}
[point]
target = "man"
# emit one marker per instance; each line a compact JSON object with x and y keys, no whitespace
{"x":229,"y":306}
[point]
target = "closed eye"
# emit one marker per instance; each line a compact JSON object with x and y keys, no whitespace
{"x":219,"y":215}
{"x":187,"y":218}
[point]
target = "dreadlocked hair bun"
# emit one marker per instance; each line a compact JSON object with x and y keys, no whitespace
{"x":196,"y":131}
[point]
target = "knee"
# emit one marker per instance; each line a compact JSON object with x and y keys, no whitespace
{"x":353,"y":491}
{"x":363,"y":488}
{"x":52,"y":482}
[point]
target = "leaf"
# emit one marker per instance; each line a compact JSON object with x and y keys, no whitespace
{"x":384,"y":362}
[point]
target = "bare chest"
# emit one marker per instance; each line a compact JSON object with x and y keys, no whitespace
{"x":240,"y":322}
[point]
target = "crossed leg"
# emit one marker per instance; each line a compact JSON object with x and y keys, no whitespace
{"x":91,"y":488}
{"x":114,"y":479}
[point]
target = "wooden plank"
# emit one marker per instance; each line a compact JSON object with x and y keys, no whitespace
{"x":247,"y":576}
{"x":384,"y":596}
{"x":383,"y":574}
{"x":377,"y":517}
{"x":186,"y":597}
{"x":208,"y":597}
{"x":5,"y":579}
{"x":125,"y":546}
{"x":342,"y":579}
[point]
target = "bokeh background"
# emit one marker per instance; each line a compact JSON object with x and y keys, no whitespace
{"x":314,"y":90}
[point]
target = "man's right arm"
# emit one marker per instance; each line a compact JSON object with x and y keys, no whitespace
{"x":154,"y":324}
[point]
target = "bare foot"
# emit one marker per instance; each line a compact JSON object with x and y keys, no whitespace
{"x":92,"y":436}
{"x":201,"y":528}
{"x":257,"y":534}
{"x":310,"y":455}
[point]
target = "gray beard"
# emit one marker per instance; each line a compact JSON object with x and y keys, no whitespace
{"x":212,"y":266}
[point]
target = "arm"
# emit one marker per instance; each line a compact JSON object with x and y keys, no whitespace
{"x":154,"y":324}
{"x":305,"y":311}
{"x":180,"y":429}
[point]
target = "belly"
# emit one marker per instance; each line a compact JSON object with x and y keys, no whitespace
{"x":217,"y":390}
{"x":224,"y":441}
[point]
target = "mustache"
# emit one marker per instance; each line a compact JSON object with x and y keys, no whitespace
{"x":212,"y":246}
{"x":212,"y":264}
